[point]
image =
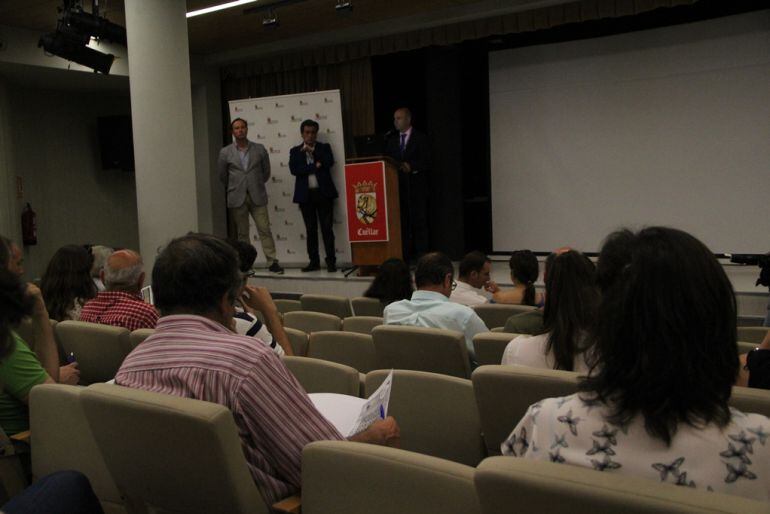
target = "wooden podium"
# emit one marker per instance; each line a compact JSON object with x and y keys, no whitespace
{"x":373,"y":253}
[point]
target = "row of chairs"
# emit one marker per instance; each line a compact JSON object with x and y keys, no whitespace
{"x":185,"y":455}
{"x":493,"y":315}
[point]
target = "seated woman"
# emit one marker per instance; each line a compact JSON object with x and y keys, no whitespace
{"x":392,"y":283}
{"x":755,"y":366}
{"x":571,"y":299}
{"x":655,"y":404}
{"x":524,"y":272}
{"x":67,"y":283}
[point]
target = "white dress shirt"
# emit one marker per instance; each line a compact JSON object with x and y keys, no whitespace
{"x":466,"y":294}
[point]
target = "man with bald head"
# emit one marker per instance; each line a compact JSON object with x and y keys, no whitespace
{"x":411,"y":149}
{"x":121,"y":304}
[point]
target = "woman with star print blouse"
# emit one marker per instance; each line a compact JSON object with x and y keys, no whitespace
{"x":655,"y":404}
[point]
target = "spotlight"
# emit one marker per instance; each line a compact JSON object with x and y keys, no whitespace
{"x":270,"y":20}
{"x":343,"y":6}
{"x":73,"y":32}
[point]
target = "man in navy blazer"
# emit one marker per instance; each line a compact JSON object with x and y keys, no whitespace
{"x":314,"y":191}
{"x":411,"y":149}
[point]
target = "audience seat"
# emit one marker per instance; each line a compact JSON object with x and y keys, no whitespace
{"x":752,"y":334}
{"x":98,"y":349}
{"x":421,"y":349}
{"x":285,"y":305}
{"x":437,"y":414}
{"x":361,"y":324}
{"x":353,"y":478}
{"x":318,"y":376}
{"x":748,"y":399}
{"x":504,"y":393}
{"x":744,"y":347}
{"x":139,"y":335}
{"x":348,"y":348}
{"x":298,"y":340}
{"x":63,"y":440}
{"x":310,"y":322}
{"x":363,"y":306}
{"x":489,"y":346}
{"x":496,"y":314}
{"x":337,"y":305}
{"x":502,"y":483}
{"x":171,"y":454}
{"x":13,"y":474}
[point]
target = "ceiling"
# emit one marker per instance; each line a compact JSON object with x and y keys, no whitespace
{"x":235,"y":28}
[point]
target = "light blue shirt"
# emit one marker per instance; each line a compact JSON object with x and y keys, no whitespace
{"x":434,"y":310}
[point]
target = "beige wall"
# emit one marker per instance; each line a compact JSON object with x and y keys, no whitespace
{"x":54,"y":143}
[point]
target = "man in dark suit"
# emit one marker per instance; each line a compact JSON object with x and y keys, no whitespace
{"x":411,"y":149}
{"x":314,"y":191}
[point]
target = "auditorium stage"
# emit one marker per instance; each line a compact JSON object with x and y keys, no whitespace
{"x":752,"y":300}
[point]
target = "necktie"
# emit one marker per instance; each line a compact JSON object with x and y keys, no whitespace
{"x":402,"y":146}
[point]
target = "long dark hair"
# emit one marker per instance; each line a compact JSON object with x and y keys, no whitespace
{"x":67,"y":279}
{"x":392,"y":283}
{"x":15,"y":305}
{"x":571,"y":302}
{"x":665,"y":344}
{"x":524,"y":270}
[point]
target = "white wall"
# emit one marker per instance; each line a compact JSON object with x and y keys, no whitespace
{"x":667,"y":126}
{"x":56,"y":152}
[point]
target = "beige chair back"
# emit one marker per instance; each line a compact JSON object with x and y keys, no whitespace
{"x":139,"y":335}
{"x":361,"y":324}
{"x":530,"y":322}
{"x":285,"y":305}
{"x":421,"y":349}
{"x":437,"y":414}
{"x":744,"y":347}
{"x":502,"y":483}
{"x":748,"y":400}
{"x":63,"y":440}
{"x":318,"y":376}
{"x":353,"y":478}
{"x":363,"y":306}
{"x":336,"y":305}
{"x":496,"y":314}
{"x":98,"y":349}
{"x":504,"y":393}
{"x":169,"y":453}
{"x":752,"y":334}
{"x":310,"y":322}
{"x":348,"y":348}
{"x":489,"y":346}
{"x":26,"y":330}
{"x":298,"y":340}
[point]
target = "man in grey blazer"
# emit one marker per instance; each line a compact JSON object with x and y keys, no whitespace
{"x":244,"y":167}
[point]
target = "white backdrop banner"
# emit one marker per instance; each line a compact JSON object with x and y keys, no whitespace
{"x":274,"y":122}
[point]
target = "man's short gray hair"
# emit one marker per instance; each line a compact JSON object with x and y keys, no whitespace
{"x":122,"y":278}
{"x":100,"y":254}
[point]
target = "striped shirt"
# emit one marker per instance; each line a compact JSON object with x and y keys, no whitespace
{"x":119,"y":309}
{"x":194,"y":357}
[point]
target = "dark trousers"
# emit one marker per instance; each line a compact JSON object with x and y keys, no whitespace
{"x":413,"y":193}
{"x":63,"y":492}
{"x":319,"y":209}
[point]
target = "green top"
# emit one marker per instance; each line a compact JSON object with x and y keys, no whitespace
{"x":19,"y":372}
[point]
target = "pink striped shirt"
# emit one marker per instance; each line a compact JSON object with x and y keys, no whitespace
{"x":194,"y":357}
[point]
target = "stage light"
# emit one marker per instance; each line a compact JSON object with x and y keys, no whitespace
{"x":214,"y":8}
{"x":75,"y":30}
{"x":73,"y":48}
{"x":343,"y":6}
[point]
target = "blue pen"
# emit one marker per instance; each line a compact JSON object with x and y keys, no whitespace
{"x":382,"y":412}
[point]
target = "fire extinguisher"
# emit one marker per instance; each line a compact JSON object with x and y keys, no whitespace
{"x":29,"y":226}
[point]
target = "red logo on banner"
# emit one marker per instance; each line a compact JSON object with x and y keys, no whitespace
{"x":367,"y":205}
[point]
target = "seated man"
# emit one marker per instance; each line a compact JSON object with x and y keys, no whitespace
{"x":194,"y":354}
{"x":474,"y":285}
{"x":430,"y":305}
{"x":121,"y":304}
